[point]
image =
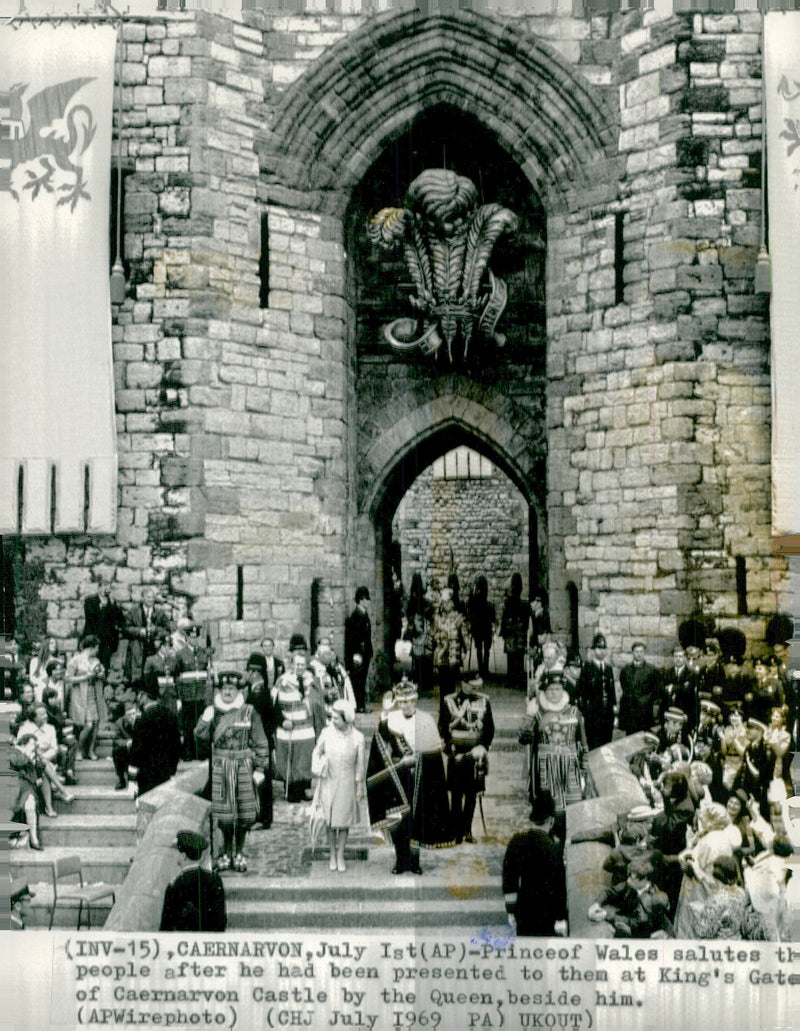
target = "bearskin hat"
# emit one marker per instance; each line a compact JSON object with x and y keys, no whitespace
{"x":692,"y":632}
{"x":780,"y":629}
{"x":733,"y":644}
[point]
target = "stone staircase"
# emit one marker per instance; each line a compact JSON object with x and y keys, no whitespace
{"x":99,"y":826}
{"x":460,"y":891}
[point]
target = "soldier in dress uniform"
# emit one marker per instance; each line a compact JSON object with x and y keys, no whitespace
{"x":466,"y":725}
{"x":159,"y":669}
{"x":193,"y":681}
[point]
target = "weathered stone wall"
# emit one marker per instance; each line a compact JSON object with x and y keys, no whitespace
{"x":257,"y":446}
{"x":659,"y":406}
{"x":471,"y":527}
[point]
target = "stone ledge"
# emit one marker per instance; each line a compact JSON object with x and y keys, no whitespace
{"x":161,"y":813}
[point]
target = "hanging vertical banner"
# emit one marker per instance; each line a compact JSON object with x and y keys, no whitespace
{"x":57,"y":425}
{"x":782,"y":92}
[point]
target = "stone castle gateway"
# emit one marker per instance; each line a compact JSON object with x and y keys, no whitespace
{"x":265,"y":434}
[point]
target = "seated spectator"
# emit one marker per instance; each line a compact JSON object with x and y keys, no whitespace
{"x":47,"y":756}
{"x":30,"y":779}
{"x":635,"y":908}
{"x":25,"y":714}
{"x":124,"y":714}
{"x":65,"y":735}
{"x":632,"y":839}
{"x":728,"y":911}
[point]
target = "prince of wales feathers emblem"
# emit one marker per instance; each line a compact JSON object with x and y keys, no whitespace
{"x":447,"y":241}
{"x":55,"y":138}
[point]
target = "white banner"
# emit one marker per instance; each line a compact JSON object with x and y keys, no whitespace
{"x":57,"y":422}
{"x":782,"y":90}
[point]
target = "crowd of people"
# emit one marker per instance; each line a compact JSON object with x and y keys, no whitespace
{"x":704,"y":855}
{"x":700,"y":859}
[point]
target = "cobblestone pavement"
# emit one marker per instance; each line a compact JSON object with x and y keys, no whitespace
{"x":279,"y":852}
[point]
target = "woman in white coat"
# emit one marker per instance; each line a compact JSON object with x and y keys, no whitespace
{"x":338,"y":762}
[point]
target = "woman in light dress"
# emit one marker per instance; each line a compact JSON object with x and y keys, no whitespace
{"x":338,"y":761}
{"x":84,"y":684}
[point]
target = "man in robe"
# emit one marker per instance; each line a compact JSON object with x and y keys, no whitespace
{"x":406,"y":785}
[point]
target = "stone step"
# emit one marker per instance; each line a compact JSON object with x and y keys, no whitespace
{"x":98,"y":800}
{"x":100,"y":772}
{"x":351,"y":886}
{"x":337,"y":914}
{"x":86,"y":831}
{"x":100,"y":863}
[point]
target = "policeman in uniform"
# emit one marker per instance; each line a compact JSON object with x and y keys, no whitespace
{"x":467,"y":729}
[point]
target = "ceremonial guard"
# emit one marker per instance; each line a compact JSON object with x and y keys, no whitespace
{"x":406,"y":787}
{"x":239,"y":757}
{"x":467,"y":729}
{"x":358,"y":646}
{"x":193,"y":682}
{"x":707,"y":737}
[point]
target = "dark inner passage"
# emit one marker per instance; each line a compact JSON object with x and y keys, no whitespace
{"x":447,"y":137}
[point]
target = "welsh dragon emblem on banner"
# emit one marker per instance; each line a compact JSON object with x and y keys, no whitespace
{"x":45,"y":138}
{"x":792,"y":130}
{"x":447,"y":243}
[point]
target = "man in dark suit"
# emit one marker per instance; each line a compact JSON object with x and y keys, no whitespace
{"x":639,"y":693}
{"x":155,"y":741}
{"x":141,"y":623}
{"x":195,"y":900}
{"x":275,"y":666}
{"x":534,"y":879}
{"x":596,"y":695}
{"x":681,"y":689}
{"x":105,"y":620}
{"x":358,"y":646}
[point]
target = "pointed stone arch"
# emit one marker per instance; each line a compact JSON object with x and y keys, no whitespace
{"x":369,"y":87}
{"x":413,"y":441}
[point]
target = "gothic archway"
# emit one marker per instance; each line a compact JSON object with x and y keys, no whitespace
{"x":412,"y":455}
{"x":368,"y":88}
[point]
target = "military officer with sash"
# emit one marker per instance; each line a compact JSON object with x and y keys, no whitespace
{"x":467,"y":729}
